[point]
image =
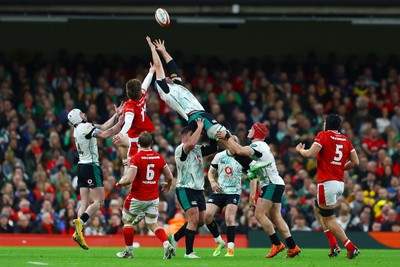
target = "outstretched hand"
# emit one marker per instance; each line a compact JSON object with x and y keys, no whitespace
{"x":160,"y":45}
{"x":120,"y":109}
{"x":151,"y":45}
{"x":152,"y":69}
{"x":200,"y":123}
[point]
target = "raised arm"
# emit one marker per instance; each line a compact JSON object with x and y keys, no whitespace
{"x":234,"y":147}
{"x":160,"y":46}
{"x":99,"y":133}
{"x":171,"y":65}
{"x":194,"y":139}
{"x":113,"y":120}
{"x":147,"y":81}
{"x":160,"y":74}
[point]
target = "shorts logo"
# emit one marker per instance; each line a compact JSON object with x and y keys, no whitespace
{"x":234,"y":201}
{"x":90,"y":181}
{"x":211,"y":200}
{"x":193,"y":203}
{"x":228,"y":170}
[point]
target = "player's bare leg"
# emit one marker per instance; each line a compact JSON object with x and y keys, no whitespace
{"x":86,"y":210}
{"x":330,"y":222}
{"x":262,"y":209}
{"x":123,"y":148}
{"x":334,"y":247}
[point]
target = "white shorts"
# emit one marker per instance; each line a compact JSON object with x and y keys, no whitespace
{"x":329,"y":192}
{"x":137,"y":206}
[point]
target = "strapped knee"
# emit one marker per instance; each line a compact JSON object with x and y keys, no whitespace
{"x":325,"y":212}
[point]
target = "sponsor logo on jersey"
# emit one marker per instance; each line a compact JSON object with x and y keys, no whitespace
{"x":228,"y":170}
{"x":338,"y":138}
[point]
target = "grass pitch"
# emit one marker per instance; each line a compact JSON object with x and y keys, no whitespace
{"x":250,"y":257}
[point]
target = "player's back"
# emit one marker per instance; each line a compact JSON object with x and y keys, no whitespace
{"x":141,"y":122}
{"x":185,"y":98}
{"x":86,"y":145}
{"x":149,"y":166}
{"x":335,"y":152}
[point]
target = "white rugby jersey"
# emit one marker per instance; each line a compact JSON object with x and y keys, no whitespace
{"x":268,"y":174}
{"x":184,"y":97}
{"x":86,"y":145}
{"x":191,"y":170}
{"x":229,"y":173}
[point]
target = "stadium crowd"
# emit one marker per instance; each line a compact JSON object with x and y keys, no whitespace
{"x":38,"y":156}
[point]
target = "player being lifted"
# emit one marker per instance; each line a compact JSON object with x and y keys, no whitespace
{"x":179,"y":98}
{"x":90,"y":175}
{"x":136,"y":119}
{"x":335,"y":154}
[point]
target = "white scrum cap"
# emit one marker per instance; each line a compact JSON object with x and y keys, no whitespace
{"x":74,"y":116}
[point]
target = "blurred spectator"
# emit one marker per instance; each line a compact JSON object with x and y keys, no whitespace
{"x":5,"y":224}
{"x":372,"y":143}
{"x":391,"y":220}
{"x":115,"y":224}
{"x":300,"y":224}
{"x":24,"y":225}
{"x":47,"y":226}
{"x":94,"y":227}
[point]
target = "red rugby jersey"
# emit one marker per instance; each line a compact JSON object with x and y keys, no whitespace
{"x":141,"y":122}
{"x":149,"y":166}
{"x":335,"y":152}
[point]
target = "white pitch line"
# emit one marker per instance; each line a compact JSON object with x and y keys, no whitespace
{"x":37,"y":263}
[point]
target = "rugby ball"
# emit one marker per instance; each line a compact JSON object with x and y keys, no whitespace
{"x":162,"y":17}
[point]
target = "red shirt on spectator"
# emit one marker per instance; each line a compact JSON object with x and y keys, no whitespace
{"x":374,"y":145}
